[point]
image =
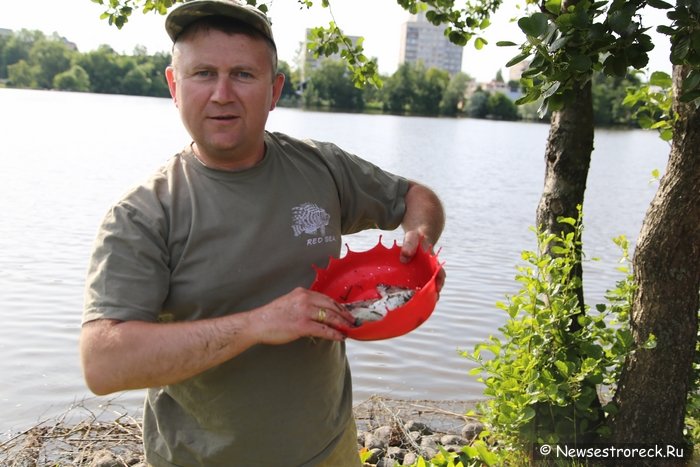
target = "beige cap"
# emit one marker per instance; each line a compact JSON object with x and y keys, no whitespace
{"x":191,"y":11}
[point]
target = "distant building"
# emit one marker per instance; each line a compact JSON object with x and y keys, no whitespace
{"x":423,"y":41}
{"x":516,"y":71}
{"x":5,"y":32}
{"x":69,"y":44}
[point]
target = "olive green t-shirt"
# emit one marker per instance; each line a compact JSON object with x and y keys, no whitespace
{"x":194,"y":243}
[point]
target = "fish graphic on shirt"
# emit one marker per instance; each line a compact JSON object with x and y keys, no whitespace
{"x":310,"y":219}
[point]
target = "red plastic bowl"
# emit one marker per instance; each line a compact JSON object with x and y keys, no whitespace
{"x":356,"y":276}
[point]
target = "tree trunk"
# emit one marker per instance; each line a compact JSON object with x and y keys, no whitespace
{"x":651,"y":395}
{"x":568,"y":158}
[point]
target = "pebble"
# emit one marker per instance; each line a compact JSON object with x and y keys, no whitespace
{"x":388,"y":447}
{"x":471,"y":430}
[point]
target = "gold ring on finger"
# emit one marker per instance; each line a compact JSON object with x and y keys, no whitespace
{"x":321,"y":315}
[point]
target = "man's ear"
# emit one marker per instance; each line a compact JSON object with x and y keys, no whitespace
{"x":172,"y":85}
{"x":277,"y":86}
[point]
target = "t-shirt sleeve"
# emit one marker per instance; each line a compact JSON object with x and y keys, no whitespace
{"x":128,"y":273}
{"x":370,"y":197}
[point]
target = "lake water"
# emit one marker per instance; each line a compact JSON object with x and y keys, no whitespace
{"x":64,"y":158}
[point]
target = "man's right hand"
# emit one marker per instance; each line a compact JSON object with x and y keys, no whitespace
{"x":300,"y":313}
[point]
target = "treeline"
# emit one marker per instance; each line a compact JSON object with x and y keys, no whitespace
{"x":416,"y":90}
{"x":412,"y":90}
{"x":30,"y":59}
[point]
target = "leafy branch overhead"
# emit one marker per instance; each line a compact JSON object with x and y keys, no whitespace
{"x":653,"y":104}
{"x":684,"y":33}
{"x":329,"y":41}
{"x":119,"y":11}
{"x":462,"y":24}
{"x":322,"y":41}
{"x":566,"y":41}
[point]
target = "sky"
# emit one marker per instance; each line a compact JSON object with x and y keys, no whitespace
{"x":379,"y":21}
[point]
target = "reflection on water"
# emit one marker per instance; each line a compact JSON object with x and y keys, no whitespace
{"x":66,"y":157}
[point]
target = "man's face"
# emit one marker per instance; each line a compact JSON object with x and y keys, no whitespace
{"x":224,"y":89}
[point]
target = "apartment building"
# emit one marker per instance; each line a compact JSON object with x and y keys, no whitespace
{"x":422,"y":41}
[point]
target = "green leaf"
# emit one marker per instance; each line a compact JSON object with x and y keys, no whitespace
{"x":615,"y":65}
{"x":565,"y":21}
{"x":528,"y":413}
{"x":561,"y":366}
{"x":458,"y":38}
{"x":645,"y":121}
{"x":551,"y":89}
{"x":691,"y":81}
{"x":479,"y":43}
{"x":517,"y":59}
{"x":650,"y":342}
{"x":610,"y":408}
{"x":505,"y":44}
{"x":661,"y":79}
{"x":668,"y":30}
{"x":566,"y":220}
{"x":534,"y":25}
{"x":487,"y":456}
{"x":558,"y":44}
{"x":553,"y":6}
{"x":619,"y":20}
{"x":471,"y":452}
{"x":531,"y":96}
{"x":689,"y":96}
{"x":679,"y":51}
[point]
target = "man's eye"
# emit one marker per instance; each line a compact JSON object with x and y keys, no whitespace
{"x":243,"y":75}
{"x":204,"y":74}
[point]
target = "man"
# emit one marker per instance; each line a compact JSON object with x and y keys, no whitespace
{"x":197,"y":288}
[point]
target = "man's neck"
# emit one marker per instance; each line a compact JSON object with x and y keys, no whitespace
{"x":228,"y":162}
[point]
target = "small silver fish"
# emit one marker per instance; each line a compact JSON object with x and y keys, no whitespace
{"x":391,"y":297}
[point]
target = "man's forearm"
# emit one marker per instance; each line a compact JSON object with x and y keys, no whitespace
{"x":121,"y":355}
{"x":424,"y":213}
